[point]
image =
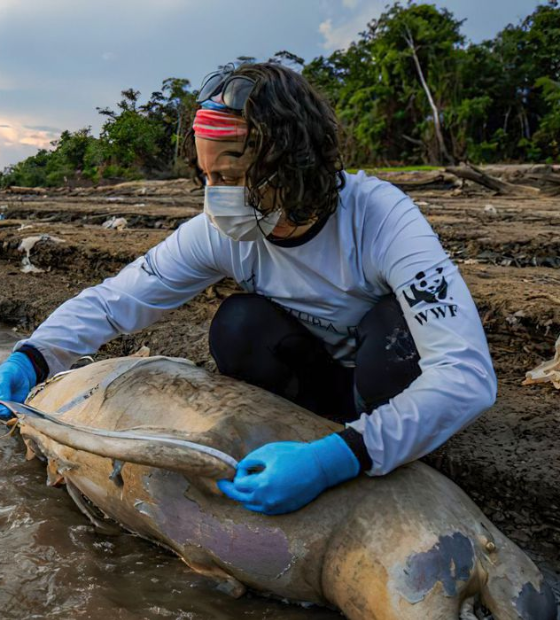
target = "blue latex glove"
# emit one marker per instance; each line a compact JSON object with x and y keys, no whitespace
{"x":17,"y":378}
{"x":284,"y":476}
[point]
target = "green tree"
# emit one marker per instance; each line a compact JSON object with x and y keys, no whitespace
{"x":410,"y":89}
{"x":547,"y":137}
{"x":508,"y":70}
{"x":393,"y":86}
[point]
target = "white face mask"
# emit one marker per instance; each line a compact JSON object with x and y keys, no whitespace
{"x":227,"y":209}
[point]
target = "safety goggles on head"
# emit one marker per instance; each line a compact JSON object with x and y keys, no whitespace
{"x":234,"y":89}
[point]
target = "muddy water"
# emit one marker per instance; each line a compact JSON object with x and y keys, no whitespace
{"x":54,"y":565}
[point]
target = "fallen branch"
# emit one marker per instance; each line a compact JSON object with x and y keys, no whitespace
{"x":413,"y":140}
{"x":15,"y":189}
{"x":407,"y":182}
{"x":472,"y":173}
{"x":549,"y":296}
{"x":547,"y":372}
{"x":435,"y":111}
{"x":549,"y":177}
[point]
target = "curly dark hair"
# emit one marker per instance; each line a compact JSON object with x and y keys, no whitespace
{"x":294,"y":133}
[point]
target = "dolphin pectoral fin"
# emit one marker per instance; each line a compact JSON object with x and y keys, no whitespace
{"x":101,"y":524}
{"x":30,"y":453}
{"x":142,"y":448}
{"x":54,"y":477}
{"x":116,"y":474}
{"x":198,"y":561}
{"x":225,"y":582}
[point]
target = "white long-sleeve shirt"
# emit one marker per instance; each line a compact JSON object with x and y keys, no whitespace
{"x":376,"y":242}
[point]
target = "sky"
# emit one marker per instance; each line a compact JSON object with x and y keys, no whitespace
{"x":60,"y":59}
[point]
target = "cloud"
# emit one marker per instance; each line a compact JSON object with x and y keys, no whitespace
{"x":6,"y":5}
{"x":38,"y":139}
{"x":326,"y":30}
{"x":339,"y":37}
{"x":109,"y":56}
{"x":344,"y":21}
{"x":18,"y":140}
{"x":8,"y":135}
{"x":12,"y":153}
{"x":45,"y":128}
{"x":339,"y":32}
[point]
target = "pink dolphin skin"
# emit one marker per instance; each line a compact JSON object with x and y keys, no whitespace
{"x":407,"y":546}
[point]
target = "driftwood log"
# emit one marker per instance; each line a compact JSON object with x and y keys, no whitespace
{"x":477,"y":175}
{"x":15,"y":189}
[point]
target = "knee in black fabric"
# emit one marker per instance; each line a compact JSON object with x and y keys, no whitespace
{"x":257,"y":341}
{"x":240,"y":337}
{"x":387,"y":358}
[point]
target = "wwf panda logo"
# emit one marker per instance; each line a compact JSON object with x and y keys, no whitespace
{"x":429,"y":289}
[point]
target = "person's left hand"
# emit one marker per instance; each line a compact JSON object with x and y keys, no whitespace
{"x":17,"y":379}
{"x":284,"y":476}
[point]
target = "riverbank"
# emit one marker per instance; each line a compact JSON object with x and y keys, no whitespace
{"x":507,"y":248}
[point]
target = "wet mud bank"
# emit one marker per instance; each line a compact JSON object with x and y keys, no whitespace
{"x":508,"y":250}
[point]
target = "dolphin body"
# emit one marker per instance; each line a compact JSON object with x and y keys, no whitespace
{"x":142,"y":441}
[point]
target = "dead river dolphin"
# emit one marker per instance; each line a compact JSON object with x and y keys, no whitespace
{"x":142,"y":441}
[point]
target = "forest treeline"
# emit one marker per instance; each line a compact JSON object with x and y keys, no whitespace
{"x":410,"y":90}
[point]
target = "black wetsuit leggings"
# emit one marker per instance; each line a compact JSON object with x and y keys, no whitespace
{"x":256,"y":340}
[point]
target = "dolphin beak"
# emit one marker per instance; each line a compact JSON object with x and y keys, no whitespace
{"x":154,"y":450}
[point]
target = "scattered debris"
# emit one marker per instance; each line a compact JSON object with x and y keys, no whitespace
{"x":14,"y":189}
{"x":29,"y":267}
{"x":473,"y":173}
{"x":508,"y":257}
{"x":547,"y":177}
{"x":467,"y":610}
{"x":27,"y":245}
{"x":115,"y":223}
{"x":547,"y":372}
{"x":513,"y":319}
{"x":143,"y":351}
{"x":549,"y":296}
{"x":416,"y":180}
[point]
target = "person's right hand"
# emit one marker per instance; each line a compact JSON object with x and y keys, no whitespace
{"x":17,"y":378}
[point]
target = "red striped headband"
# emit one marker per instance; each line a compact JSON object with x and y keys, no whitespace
{"x":216,"y":125}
